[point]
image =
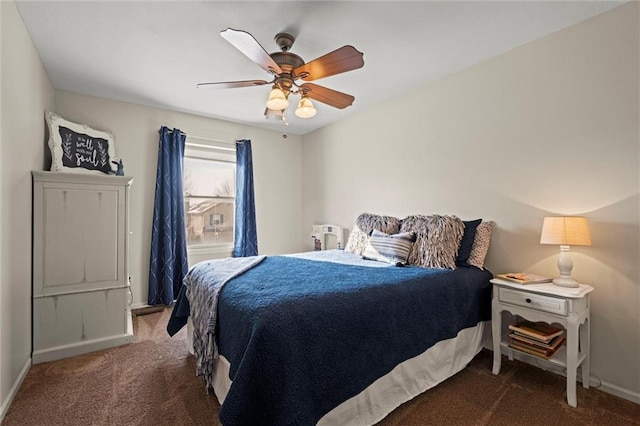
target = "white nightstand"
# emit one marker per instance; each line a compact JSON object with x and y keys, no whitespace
{"x":550,"y":303}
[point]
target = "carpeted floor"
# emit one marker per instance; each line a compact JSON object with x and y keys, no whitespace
{"x":153,"y":382}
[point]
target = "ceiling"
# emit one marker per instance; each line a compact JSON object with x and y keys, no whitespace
{"x":155,"y":52}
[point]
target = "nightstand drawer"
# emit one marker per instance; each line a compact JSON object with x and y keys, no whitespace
{"x":555,"y":305}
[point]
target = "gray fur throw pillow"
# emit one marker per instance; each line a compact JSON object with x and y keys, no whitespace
{"x":365,"y":223}
{"x":437,"y":240}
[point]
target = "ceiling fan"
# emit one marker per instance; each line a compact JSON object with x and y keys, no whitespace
{"x":288,"y":68}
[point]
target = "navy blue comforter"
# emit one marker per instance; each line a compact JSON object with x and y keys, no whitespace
{"x":303,"y":336}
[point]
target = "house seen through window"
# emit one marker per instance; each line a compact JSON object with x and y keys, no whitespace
{"x":209,"y":184}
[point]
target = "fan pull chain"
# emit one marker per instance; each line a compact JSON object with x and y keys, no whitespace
{"x":284,"y":127}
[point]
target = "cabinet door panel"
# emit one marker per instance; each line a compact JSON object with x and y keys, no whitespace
{"x":70,"y":318}
{"x":80,"y":237}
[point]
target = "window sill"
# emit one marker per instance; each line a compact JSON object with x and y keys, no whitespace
{"x":197,"y":254}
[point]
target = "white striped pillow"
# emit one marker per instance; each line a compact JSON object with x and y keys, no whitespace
{"x":389,"y":248}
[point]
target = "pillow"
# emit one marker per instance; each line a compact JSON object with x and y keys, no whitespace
{"x":481,"y":244}
{"x":365,"y":223}
{"x":357,"y":241}
{"x":437,"y":240}
{"x":387,"y":248}
{"x":467,"y":241}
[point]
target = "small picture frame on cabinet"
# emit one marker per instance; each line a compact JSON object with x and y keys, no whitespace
{"x":77,"y":148}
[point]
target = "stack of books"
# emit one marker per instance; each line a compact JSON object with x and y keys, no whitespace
{"x":536,"y":338}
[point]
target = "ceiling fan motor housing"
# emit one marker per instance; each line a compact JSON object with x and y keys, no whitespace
{"x":287,"y":62}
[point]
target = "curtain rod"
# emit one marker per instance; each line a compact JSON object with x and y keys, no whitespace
{"x":204,"y":138}
{"x":171,"y":131}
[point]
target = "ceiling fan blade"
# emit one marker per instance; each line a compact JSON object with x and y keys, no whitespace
{"x":244,"y":42}
{"x":327,"y":96}
{"x":231,"y":84}
{"x":345,"y":59}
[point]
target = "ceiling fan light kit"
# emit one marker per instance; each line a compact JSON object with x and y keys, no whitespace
{"x":287,"y":68}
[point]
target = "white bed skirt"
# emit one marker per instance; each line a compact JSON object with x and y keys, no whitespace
{"x":408,"y":380}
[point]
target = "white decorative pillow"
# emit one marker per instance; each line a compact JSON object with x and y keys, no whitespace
{"x":480,"y":245}
{"x":357,"y":241}
{"x":387,"y":248}
{"x":365,"y":223}
{"x":437,"y":240}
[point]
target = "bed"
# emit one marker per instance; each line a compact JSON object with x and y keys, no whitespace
{"x":328,"y":337}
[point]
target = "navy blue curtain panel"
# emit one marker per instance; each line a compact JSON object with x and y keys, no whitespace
{"x":246,"y":237}
{"x":168,"y":264}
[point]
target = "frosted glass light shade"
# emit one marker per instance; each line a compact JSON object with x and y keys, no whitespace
{"x":305,"y":108}
{"x":277,"y":100}
{"x":565,"y":230}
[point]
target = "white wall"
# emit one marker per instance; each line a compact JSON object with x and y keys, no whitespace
{"x":549,"y":128}
{"x":26,"y":94}
{"x":276,"y":161}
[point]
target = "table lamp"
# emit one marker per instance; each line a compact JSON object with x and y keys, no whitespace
{"x":566,"y":231}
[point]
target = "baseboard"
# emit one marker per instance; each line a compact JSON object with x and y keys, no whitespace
{"x":80,"y":348}
{"x":617,"y":391}
{"x":14,"y":389}
{"x":148,"y":310}
{"x":139,"y":305}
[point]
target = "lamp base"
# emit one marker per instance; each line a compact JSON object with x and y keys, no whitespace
{"x":566,"y":282}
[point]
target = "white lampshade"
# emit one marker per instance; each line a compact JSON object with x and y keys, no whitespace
{"x":305,"y":108}
{"x":277,"y":100}
{"x":565,"y":231}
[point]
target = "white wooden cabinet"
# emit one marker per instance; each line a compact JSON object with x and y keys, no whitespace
{"x":81,"y":293}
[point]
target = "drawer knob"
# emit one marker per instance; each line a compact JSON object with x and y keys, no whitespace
{"x":528,"y":300}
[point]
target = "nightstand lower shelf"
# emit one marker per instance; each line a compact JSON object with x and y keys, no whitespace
{"x":558,"y":359}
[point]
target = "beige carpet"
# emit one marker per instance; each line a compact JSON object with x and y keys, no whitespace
{"x":153,"y":382}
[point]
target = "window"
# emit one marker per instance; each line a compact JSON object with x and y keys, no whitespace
{"x":209,"y":194}
{"x":215,"y":219}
